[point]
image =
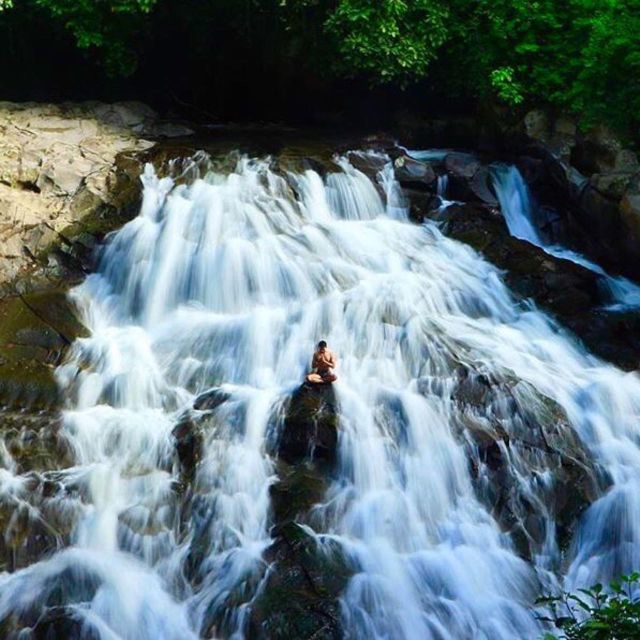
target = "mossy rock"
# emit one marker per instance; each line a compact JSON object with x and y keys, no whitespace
{"x":35,"y":331}
{"x":298,"y":489}
{"x":300,"y":598}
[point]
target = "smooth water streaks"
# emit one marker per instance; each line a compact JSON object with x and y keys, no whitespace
{"x":223,"y":286}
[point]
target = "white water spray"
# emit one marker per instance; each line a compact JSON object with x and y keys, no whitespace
{"x":227,"y":284}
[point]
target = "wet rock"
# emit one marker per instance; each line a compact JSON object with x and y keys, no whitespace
{"x":559,"y":285}
{"x":600,"y":213}
{"x":528,"y":465}
{"x":210,"y":399}
{"x":188,"y":443}
{"x":414,"y":174}
{"x":463,"y":165}
{"x":34,"y":441}
{"x":300,"y":596}
{"x":35,"y":330}
{"x":64,"y":622}
{"x":423,"y":204}
{"x":480,"y":185}
{"x":298,"y":489}
{"x":613,"y":335}
{"x":370,"y":164}
{"x":474,"y":188}
{"x":310,"y":428}
{"x":569,"y":291}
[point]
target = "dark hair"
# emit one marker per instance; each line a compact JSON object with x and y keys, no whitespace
{"x":322,"y":344}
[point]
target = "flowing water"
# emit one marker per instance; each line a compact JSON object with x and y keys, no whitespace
{"x":519,"y":212}
{"x":227,"y":283}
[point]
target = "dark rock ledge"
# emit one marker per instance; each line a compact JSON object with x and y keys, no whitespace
{"x":299,"y":598}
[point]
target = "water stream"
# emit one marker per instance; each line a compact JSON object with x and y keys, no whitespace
{"x":519,"y":212}
{"x":227,"y":283}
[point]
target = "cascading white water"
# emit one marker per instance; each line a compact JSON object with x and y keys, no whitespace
{"x":227,"y":284}
{"x":442,"y":186}
{"x":517,"y":208}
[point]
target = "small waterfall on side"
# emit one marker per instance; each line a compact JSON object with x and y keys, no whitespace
{"x":515,"y":202}
{"x":223,"y":287}
{"x":442,"y":186}
{"x":517,"y":208}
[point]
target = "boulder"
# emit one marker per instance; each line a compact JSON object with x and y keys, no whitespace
{"x":60,"y":166}
{"x":414,"y":174}
{"x":188,"y":443}
{"x":300,"y":596}
{"x":480,"y":185}
{"x":611,"y":185}
{"x":536,"y":125}
{"x":211,"y":399}
{"x":64,"y":622}
{"x":310,"y":429}
{"x":511,"y":432}
{"x":423,"y":204}
{"x":463,"y":165}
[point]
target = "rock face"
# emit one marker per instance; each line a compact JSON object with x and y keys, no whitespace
{"x":511,"y":434}
{"x":62,"y":166}
{"x":569,"y":291}
{"x":600,"y":182}
{"x":305,"y":578}
{"x":67,"y":175}
{"x":35,"y":330}
{"x":310,"y":426}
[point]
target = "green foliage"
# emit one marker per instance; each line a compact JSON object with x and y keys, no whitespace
{"x":595,"y":614}
{"x":581,"y":56}
{"x":108,"y":25}
{"x":507,"y":89}
{"x":391,"y":40}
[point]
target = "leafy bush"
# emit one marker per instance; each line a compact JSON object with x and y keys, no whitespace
{"x":594,"y":614}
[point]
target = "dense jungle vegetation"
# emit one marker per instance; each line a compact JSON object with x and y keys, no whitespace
{"x":226,"y":56}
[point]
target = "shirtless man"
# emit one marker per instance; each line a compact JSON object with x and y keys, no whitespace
{"x":323,"y":364}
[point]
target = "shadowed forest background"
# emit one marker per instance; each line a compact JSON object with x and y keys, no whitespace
{"x":329,"y":61}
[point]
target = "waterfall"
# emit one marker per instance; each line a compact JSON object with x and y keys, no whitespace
{"x":225,"y":285}
{"x":442,"y":186}
{"x":515,"y":202}
{"x":518,"y":210}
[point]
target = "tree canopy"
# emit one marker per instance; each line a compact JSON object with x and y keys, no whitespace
{"x":581,"y":56}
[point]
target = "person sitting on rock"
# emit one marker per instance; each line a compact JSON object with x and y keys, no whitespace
{"x":323,"y":364}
